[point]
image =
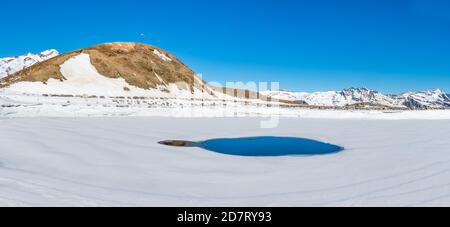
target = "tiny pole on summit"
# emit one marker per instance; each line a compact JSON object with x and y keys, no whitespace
{"x":142,"y":35}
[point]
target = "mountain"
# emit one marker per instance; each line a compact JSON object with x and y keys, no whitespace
{"x":129,"y":64}
{"x":116,"y":70}
{"x":333,"y":98}
{"x":12,"y":65}
{"x":370,"y":98}
{"x":425,"y":100}
{"x":123,"y":71}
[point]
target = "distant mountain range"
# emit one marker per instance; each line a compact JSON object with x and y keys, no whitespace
{"x":367,"y":98}
{"x":11,"y":65}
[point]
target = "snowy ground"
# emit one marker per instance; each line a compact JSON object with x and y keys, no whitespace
{"x":14,"y":104}
{"x":117,"y":162}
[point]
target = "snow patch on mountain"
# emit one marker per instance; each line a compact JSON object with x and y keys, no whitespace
{"x":11,"y":65}
{"x":161,"y":55}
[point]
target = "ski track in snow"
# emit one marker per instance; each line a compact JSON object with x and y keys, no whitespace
{"x":117,"y":162}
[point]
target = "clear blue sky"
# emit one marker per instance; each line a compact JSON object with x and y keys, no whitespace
{"x":388,"y":45}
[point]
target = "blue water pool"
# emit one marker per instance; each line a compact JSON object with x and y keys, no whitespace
{"x":263,"y":146}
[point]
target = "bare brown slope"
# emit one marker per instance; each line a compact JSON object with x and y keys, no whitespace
{"x":136,"y":63}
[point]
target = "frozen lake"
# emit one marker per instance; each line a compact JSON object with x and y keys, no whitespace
{"x":118,"y":162}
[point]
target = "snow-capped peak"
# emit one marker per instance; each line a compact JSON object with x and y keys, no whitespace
{"x":47,"y":54}
{"x":11,"y":65}
{"x":430,"y":99}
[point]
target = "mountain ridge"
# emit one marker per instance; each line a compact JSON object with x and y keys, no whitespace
{"x":429,"y":99}
{"x":11,"y":65}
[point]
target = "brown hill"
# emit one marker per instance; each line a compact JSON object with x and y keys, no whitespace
{"x":136,"y":63}
{"x":140,"y":65}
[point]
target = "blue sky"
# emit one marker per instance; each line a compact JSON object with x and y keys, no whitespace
{"x":388,"y":45}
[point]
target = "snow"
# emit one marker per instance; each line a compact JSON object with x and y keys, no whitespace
{"x":429,"y":98}
{"x":161,"y":55}
{"x":335,"y":98}
{"x":160,"y":79}
{"x":87,"y":141}
{"x":11,"y":65}
{"x":117,"y":162}
{"x":15,"y":104}
{"x":432,"y":99}
{"x":86,"y":93}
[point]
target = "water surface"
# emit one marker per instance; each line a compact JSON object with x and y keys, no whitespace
{"x":262,"y":146}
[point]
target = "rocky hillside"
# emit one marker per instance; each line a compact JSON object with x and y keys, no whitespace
{"x":140,"y":65}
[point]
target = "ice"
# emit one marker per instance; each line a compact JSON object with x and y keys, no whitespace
{"x":118,"y":162}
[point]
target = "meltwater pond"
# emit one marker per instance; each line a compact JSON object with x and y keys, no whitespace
{"x":262,"y":146}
